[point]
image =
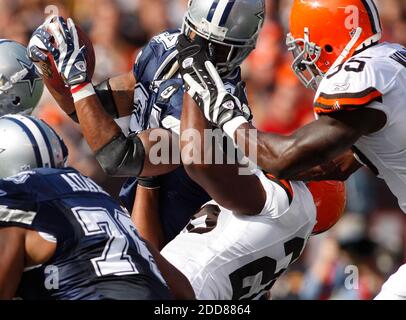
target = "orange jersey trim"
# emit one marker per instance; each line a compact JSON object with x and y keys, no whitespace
{"x":285,"y":184}
{"x":346,"y":101}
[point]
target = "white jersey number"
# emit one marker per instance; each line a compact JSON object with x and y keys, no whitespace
{"x":256,"y":278}
{"x":114,"y":259}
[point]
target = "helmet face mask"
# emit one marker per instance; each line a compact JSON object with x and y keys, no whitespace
{"x":239,"y":36}
{"x":306,"y":55}
{"x":326,"y":33}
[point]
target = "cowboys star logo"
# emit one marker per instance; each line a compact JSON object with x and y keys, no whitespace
{"x":31,"y":77}
{"x":261,"y":16}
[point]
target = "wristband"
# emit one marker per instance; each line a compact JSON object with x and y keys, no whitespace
{"x":82,"y":91}
{"x":151,"y":183}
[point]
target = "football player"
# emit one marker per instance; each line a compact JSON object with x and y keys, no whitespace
{"x":152,"y":94}
{"x":21,"y":87}
{"x":61,"y":235}
{"x":238,"y":245}
{"x":359,"y":82}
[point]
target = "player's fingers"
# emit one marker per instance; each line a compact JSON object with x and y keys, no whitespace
{"x":73,"y":33}
{"x":211,"y":69}
{"x":194,"y":86}
{"x":36,"y":55}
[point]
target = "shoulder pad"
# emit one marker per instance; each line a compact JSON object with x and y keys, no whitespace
{"x":154,"y":57}
{"x":17,"y":203}
{"x":353,"y":85}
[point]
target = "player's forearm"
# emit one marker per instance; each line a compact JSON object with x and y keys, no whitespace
{"x":339,"y":169}
{"x":98,"y":127}
{"x":177,"y":282}
{"x":287,"y":156}
{"x":64,"y":101}
{"x":122,"y":92}
{"x":193,"y":126}
{"x":146,"y":216}
{"x":11,"y":261}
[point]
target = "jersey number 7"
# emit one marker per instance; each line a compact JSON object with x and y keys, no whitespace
{"x":114,"y":260}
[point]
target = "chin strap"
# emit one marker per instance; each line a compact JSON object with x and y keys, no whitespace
{"x":347,"y":49}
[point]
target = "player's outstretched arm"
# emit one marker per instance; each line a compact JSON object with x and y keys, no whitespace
{"x":11,"y":260}
{"x":283,"y":156}
{"x":243,"y":194}
{"x":317,"y":143}
{"x":116,"y":94}
{"x":339,"y":169}
{"x":117,"y":154}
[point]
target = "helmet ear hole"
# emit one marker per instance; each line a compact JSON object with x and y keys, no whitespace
{"x":17,"y":101}
{"x":329,"y":48}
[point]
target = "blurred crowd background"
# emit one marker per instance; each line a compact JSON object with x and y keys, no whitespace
{"x":371,"y":235}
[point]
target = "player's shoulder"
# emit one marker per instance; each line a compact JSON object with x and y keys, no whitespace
{"x":17,"y":200}
{"x":363,"y":79}
{"x":28,"y":183}
{"x":159,"y":52}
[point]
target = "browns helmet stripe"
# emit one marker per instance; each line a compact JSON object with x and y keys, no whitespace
{"x":373,"y":15}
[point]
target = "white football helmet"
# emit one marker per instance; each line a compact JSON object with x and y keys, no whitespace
{"x":21,"y":86}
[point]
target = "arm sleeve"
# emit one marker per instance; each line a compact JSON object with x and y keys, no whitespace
{"x":122,"y":157}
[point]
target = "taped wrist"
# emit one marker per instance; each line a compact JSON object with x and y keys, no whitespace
{"x":149,"y":182}
{"x":105,"y":94}
{"x":122,"y":157}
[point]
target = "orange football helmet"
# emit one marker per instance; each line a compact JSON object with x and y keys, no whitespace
{"x":330,"y":200}
{"x":326,"y":33}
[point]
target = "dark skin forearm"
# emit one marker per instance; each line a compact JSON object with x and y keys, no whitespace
{"x":178,"y":284}
{"x":339,"y":169}
{"x":12,"y":242}
{"x":99,"y":129}
{"x":317,"y":143}
{"x":145,"y":216}
{"x":241,"y":194}
{"x":63,"y":99}
{"x":122,"y":88}
{"x":97,"y":126}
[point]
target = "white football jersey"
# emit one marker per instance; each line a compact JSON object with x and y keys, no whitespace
{"x":227,"y":256}
{"x":374,"y":78}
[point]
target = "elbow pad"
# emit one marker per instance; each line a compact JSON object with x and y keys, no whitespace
{"x":105,"y":95}
{"x":122,"y":157}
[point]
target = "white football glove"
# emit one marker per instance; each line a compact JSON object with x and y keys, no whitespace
{"x":69,"y":56}
{"x":219,"y":106}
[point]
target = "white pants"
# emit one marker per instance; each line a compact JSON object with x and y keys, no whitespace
{"x":395,"y":287}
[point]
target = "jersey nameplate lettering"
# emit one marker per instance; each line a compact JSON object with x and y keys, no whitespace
{"x":80,"y":183}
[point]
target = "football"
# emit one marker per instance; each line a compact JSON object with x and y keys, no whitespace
{"x":52,"y":78}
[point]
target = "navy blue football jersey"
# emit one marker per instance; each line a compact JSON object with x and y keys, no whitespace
{"x":158,"y":104}
{"x":99,"y":253}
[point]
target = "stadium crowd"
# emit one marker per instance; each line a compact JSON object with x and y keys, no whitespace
{"x":371,"y":235}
